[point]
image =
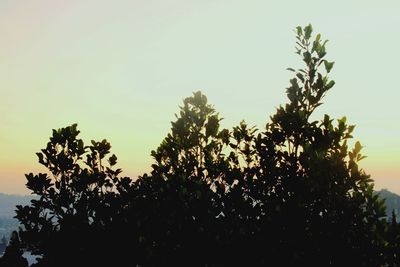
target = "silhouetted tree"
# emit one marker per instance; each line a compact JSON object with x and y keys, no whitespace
{"x":175,"y":207}
{"x":317,"y":206}
{"x":291,"y":194}
{"x":75,"y":207}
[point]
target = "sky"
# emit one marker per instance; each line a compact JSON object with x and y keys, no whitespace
{"x":120,"y":69}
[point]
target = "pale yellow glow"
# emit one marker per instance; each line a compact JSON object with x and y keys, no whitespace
{"x":120,"y":69}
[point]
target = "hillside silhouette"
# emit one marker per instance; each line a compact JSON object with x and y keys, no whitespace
{"x":392,"y":201}
{"x":8,"y":203}
{"x":289,"y":194}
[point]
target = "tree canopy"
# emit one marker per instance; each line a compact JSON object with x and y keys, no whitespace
{"x":288,"y":194}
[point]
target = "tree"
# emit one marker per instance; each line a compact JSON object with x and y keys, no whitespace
{"x":185,"y":187}
{"x":76,"y":206}
{"x":318,"y":205}
{"x":291,"y":194}
{"x":194,"y":147}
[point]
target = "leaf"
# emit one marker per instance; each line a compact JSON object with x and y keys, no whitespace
{"x":291,"y":93}
{"x":299,"y":30}
{"x":321,"y":51}
{"x":342,"y":120}
{"x":328,"y":65}
{"x":307,"y":57}
{"x":326,"y":119}
{"x":212,"y":126}
{"x":318,"y":37}
{"x":41,"y":156}
{"x":359,"y":157}
{"x":350,"y":129}
{"x":80,"y":146}
{"x":330,"y":85}
{"x":307,"y":31}
{"x":357,"y":147}
{"x":300,"y":76}
{"x":112,"y":160}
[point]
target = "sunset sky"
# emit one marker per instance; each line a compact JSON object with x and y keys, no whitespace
{"x":120,"y":69}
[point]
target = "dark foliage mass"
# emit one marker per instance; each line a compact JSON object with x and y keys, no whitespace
{"x":12,"y":257}
{"x":290,"y":194}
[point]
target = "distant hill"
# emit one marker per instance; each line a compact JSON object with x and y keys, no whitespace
{"x":392,"y":202}
{"x":8,"y":203}
{"x":7,"y":212}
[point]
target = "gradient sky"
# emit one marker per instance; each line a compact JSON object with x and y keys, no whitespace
{"x":120,"y":69}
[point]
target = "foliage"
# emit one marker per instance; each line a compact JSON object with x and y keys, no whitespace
{"x":291,"y":194}
{"x":75,"y":206}
{"x":13,"y":255}
{"x":319,"y":205}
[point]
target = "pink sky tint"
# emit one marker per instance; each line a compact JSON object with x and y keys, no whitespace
{"x":21,"y":23}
